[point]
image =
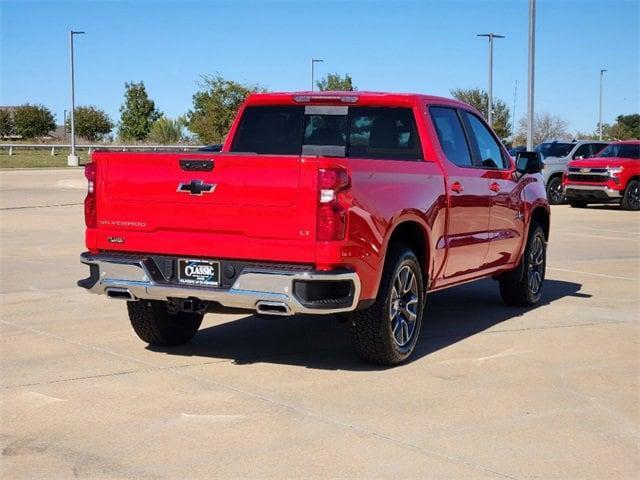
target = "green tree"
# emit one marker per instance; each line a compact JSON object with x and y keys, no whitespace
{"x":6,"y":123}
{"x":91,"y":123}
{"x":167,"y":131}
{"x":479,"y":99}
{"x":33,"y":121}
{"x":215,"y":106}
{"x":626,"y":127}
{"x":137,"y":113}
{"x":336,"y":82}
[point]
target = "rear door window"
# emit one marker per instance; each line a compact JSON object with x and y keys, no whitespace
{"x":451,"y":135}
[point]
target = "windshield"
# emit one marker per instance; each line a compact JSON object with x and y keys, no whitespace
{"x":621,"y":150}
{"x":554,"y":149}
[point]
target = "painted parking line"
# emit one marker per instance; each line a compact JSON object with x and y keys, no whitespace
{"x":593,"y":274}
{"x":631,"y":238}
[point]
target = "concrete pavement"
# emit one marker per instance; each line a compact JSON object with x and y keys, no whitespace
{"x":492,"y":392}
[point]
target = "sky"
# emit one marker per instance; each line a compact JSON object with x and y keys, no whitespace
{"x":419,"y":46}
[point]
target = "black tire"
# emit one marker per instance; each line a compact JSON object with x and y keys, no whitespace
{"x":631,"y":197}
{"x":384,"y":333}
{"x":523,"y":286}
{"x":154,"y":324}
{"x":577,"y":204}
{"x":555,"y":194}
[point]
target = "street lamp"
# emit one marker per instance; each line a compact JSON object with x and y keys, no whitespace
{"x":491,"y":36}
{"x":72,"y":159}
{"x":313,"y":62}
{"x":530,"y":82}
{"x":600,"y":110}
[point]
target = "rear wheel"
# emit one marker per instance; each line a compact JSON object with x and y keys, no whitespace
{"x":155,"y":324}
{"x":631,"y":198}
{"x":555,"y":194}
{"x":523,"y":286}
{"x":386,"y":333}
{"x":577,"y":204}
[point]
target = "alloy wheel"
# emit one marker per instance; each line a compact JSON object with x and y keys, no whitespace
{"x":535,"y":270}
{"x":556,"y":192}
{"x":634,"y":195}
{"x":403,"y":306}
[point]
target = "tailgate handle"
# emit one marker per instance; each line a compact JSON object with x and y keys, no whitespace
{"x":196,"y":165}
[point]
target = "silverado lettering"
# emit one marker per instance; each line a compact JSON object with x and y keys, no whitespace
{"x":350,"y":203}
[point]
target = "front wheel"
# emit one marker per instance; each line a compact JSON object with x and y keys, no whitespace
{"x":555,"y":194}
{"x":631,"y":197}
{"x":523,"y":286}
{"x":386,"y":333}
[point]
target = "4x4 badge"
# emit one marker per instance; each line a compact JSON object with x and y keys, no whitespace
{"x":196,"y":187}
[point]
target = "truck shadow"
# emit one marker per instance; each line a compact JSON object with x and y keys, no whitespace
{"x":322,"y":342}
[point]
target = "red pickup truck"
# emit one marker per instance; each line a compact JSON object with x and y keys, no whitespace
{"x":337,"y":202}
{"x":612,"y":176}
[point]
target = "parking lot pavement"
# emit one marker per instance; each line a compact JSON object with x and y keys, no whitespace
{"x":492,"y":392}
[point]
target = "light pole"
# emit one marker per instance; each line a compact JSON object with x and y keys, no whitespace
{"x":490,"y":106}
{"x":513,"y":112}
{"x":313,"y":62}
{"x":530,"y":82}
{"x":600,"y":110}
{"x":72,"y":159}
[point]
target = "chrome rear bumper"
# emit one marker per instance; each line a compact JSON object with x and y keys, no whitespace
{"x":130,"y":279}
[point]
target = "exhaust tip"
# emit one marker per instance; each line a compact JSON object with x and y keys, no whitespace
{"x":273,"y":308}
{"x":120,"y":294}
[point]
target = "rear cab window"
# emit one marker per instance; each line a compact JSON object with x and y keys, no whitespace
{"x":355,"y":132}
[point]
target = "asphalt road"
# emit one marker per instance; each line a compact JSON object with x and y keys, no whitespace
{"x":492,"y":392}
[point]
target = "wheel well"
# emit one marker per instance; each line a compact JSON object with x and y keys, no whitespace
{"x":541,"y":217}
{"x":413,"y":236}
{"x":635,"y":177}
{"x":557,"y":174}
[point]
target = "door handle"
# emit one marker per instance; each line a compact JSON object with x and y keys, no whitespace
{"x":494,"y":187}
{"x":456,"y":187}
{"x":196,"y":165}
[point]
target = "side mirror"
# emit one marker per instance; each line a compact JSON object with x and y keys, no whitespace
{"x":528,"y":162}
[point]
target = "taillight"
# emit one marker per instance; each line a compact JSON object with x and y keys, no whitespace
{"x":90,"y":213}
{"x":332,"y":216}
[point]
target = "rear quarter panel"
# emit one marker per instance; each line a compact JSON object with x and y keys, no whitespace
{"x":384,"y":194}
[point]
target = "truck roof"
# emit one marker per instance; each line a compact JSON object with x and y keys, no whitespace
{"x":346,"y":98}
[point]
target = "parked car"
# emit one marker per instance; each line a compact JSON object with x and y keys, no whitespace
{"x":611,"y":177}
{"x":517,"y":149}
{"x":556,"y":155}
{"x":354,"y":203}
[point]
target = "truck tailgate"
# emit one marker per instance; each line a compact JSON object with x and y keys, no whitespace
{"x":246,"y":206}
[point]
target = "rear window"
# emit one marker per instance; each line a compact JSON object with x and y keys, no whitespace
{"x":362,"y":132}
{"x":270,"y":131}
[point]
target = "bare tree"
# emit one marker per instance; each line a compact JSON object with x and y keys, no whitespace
{"x":545,"y":127}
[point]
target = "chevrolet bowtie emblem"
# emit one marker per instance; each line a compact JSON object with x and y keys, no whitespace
{"x":196,"y":187}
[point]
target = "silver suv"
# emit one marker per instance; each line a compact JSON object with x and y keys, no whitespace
{"x":556,"y":155}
